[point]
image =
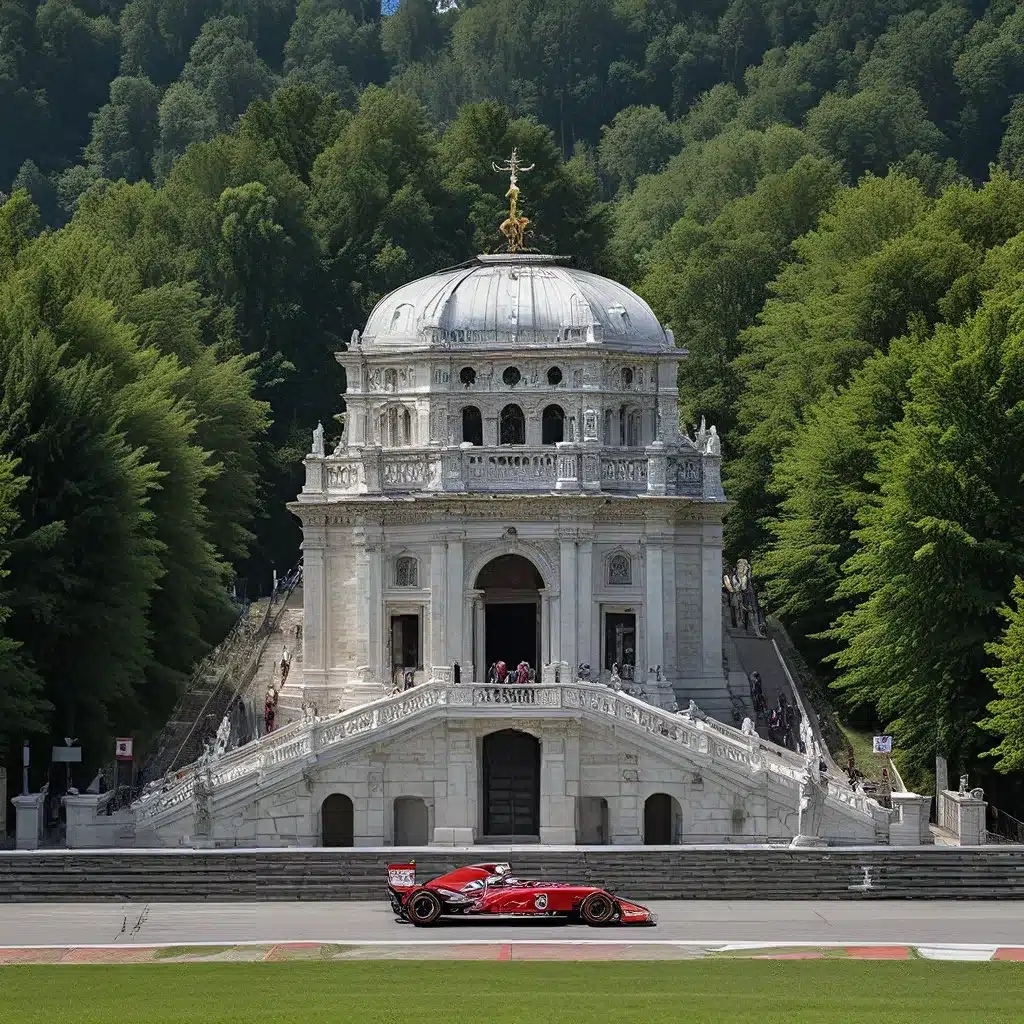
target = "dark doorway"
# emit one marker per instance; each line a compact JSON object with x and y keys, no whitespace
{"x":472,"y":426}
{"x":511,"y":634}
{"x":511,"y":761}
{"x":405,"y":643}
{"x":619,"y":640}
{"x":511,"y":586}
{"x":512,"y":426}
{"x":658,"y":820}
{"x":336,"y":828}
{"x":552,"y":425}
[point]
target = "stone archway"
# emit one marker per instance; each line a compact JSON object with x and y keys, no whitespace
{"x":662,"y":820}
{"x":412,"y":821}
{"x":336,"y":821}
{"x":511,"y":588}
{"x":511,"y":784}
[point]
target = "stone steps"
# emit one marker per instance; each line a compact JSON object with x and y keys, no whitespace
{"x":643,"y":874}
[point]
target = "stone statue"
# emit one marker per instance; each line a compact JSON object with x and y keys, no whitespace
{"x":318,"y":440}
{"x":616,"y":679}
{"x":356,"y":340}
{"x":748,"y":727}
{"x":583,"y":672}
{"x":702,"y":436}
{"x":695,"y":714}
{"x":963,"y":786}
{"x":713,"y":445}
{"x":813,"y":790}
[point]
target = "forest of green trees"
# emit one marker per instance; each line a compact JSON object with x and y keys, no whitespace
{"x":823,"y":198}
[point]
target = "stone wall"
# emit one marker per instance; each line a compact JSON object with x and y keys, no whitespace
{"x":693,"y":872}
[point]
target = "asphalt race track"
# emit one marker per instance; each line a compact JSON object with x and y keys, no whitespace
{"x":695,"y":922}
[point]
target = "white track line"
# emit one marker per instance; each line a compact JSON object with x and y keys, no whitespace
{"x":716,"y":944}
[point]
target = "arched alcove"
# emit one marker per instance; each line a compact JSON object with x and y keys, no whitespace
{"x":472,"y":426}
{"x":512,"y":425}
{"x":511,"y":586}
{"x":412,"y":821}
{"x":552,"y":425}
{"x":336,"y":821}
{"x":662,"y":820}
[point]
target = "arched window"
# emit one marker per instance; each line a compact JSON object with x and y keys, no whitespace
{"x":512,"y":425}
{"x":407,"y":572}
{"x":630,"y":427}
{"x":472,"y":425}
{"x":620,"y":570}
{"x":394,"y":427}
{"x":552,"y":425}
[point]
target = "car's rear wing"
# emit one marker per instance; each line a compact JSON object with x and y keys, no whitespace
{"x":402,"y":876}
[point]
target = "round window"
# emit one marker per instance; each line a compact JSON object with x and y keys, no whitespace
{"x":467,"y":375}
{"x":554,"y":376}
{"x":512,"y":376}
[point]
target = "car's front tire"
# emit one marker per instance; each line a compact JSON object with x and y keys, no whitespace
{"x":598,"y":909}
{"x":423,"y":908}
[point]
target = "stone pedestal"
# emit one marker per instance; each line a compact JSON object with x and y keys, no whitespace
{"x":28,"y":823}
{"x":911,"y":825}
{"x":964,"y":815}
{"x":81,"y":812}
{"x":445,"y":836}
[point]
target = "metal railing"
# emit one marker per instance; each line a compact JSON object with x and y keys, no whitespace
{"x":234,"y":658}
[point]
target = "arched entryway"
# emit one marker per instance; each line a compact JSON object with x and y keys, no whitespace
{"x":412,"y":822}
{"x":336,"y":821}
{"x":662,"y":820}
{"x":511,"y":586}
{"x":511,"y":784}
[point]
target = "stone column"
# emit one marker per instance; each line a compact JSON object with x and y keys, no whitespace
{"x":557,"y":808}
{"x":376,"y":626}
{"x":654,"y":607}
{"x":28,"y":822}
{"x":479,"y":628}
{"x":545,"y":629}
{"x":588,"y":652}
{"x":711,"y":601}
{"x":568,"y":650}
{"x":491,"y":431}
{"x":454,"y":619}
{"x":456,"y":808}
{"x":437,"y":654}
{"x":314,"y":600}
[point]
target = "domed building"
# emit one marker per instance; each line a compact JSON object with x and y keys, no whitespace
{"x":512,"y":486}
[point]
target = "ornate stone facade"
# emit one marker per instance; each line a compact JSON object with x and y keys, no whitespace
{"x":513,"y":409}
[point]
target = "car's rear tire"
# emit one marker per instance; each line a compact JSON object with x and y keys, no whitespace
{"x":423,"y":908}
{"x":598,"y":908}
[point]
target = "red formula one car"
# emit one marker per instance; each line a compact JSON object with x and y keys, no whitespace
{"x":490,"y":889}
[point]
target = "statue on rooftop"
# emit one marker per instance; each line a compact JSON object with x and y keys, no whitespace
{"x":318,"y":440}
{"x":514,"y":226}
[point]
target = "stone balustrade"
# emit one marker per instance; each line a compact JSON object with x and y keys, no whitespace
{"x":565,"y":467}
{"x":704,"y":741}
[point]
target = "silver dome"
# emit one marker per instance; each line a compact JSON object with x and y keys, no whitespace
{"x":522,"y":300}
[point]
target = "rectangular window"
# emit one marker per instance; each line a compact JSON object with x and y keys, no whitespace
{"x":405,"y":642}
{"x":619,"y":640}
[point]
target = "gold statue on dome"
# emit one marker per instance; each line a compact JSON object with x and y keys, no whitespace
{"x":514,"y":226}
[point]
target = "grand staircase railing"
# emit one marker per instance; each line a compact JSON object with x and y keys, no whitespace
{"x":215,"y":683}
{"x":300,"y":741}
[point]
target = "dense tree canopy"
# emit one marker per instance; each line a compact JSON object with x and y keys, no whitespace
{"x":824,"y":200}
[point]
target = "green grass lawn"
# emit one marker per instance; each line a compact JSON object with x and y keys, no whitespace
{"x":396,"y":992}
{"x":863,"y":753}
